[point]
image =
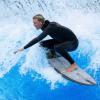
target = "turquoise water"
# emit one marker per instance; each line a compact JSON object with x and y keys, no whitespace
{"x":27,"y":75}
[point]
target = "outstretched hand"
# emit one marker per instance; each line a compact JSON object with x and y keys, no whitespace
{"x":19,"y":50}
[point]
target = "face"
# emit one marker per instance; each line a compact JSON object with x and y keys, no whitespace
{"x":37,"y":23}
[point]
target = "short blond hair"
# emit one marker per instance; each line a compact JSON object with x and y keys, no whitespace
{"x":39,"y":17}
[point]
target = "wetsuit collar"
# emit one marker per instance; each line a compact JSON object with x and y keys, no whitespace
{"x":45,"y":24}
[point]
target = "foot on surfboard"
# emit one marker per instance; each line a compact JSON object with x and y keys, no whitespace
{"x":71,"y":68}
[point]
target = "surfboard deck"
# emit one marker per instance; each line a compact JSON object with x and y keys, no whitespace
{"x":78,"y":75}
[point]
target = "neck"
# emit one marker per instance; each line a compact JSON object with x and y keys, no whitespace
{"x":45,"y":24}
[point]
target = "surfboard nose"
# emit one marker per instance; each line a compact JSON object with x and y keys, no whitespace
{"x":92,"y":82}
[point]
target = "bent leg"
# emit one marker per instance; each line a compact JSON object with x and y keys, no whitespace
{"x":65,"y":54}
{"x":62,"y":50}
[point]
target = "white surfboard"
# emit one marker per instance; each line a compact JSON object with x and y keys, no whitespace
{"x":78,"y":75}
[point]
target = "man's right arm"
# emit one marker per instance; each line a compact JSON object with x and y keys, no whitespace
{"x":35,"y":40}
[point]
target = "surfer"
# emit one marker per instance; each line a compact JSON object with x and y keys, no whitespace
{"x":63,"y":39}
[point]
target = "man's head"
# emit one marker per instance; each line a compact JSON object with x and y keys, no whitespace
{"x":38,"y":21}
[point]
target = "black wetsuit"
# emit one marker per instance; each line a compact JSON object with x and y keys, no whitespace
{"x":63,"y":39}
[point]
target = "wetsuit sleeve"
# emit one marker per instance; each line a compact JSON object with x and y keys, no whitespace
{"x":35,"y":40}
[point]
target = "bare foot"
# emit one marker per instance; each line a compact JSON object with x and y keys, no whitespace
{"x":71,"y":68}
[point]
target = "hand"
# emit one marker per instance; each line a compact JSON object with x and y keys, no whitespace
{"x":19,"y":50}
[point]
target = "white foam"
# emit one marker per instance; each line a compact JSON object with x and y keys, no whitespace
{"x":11,"y":37}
